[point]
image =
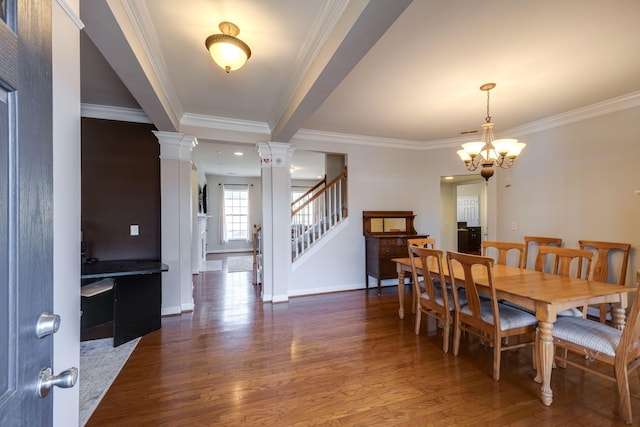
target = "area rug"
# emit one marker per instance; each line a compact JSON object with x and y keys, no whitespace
{"x":213,"y":265}
{"x":239,"y":263}
{"x":100,"y":363}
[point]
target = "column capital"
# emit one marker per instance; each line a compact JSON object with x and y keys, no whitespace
{"x":275,"y":154}
{"x":175,"y":146}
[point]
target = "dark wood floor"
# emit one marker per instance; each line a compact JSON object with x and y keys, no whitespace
{"x":336,"y":359}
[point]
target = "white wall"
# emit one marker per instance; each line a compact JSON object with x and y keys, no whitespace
{"x":379,"y":178}
{"x":576,"y":181}
{"x":66,"y":207}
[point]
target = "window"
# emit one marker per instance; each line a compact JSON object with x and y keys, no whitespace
{"x":236,"y":213}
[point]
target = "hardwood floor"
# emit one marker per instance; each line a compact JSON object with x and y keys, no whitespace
{"x":338,"y":359}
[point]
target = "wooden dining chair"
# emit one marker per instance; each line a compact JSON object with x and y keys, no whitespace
{"x":568,"y":262}
{"x":423,"y":242}
{"x":487,"y":319}
{"x":538,"y":242}
{"x":503,"y":249}
{"x":588,"y":340}
{"x":602,"y":270}
{"x":433,"y":298}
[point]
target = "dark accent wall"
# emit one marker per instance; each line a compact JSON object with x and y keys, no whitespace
{"x":120,"y":187}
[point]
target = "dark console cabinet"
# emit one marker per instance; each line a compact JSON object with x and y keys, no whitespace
{"x":469,"y":239}
{"x":130,"y":308}
{"x":386,"y":234}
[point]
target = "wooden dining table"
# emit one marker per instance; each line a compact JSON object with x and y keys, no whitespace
{"x":544,"y":294}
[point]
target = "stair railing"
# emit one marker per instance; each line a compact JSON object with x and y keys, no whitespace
{"x":329,"y":207}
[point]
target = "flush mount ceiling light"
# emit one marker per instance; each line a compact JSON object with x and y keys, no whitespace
{"x":489,"y":152}
{"x":228,"y":51}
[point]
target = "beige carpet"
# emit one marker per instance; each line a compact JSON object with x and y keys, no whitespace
{"x":240,"y":263}
{"x":100,"y":363}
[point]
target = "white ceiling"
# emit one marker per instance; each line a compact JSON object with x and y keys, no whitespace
{"x":401,"y":71}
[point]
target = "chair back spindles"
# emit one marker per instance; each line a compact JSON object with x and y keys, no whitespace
{"x":563,"y":259}
{"x":432,"y":298}
{"x":539,"y":242}
{"x":473,"y":318}
{"x":423,"y":242}
{"x":503,"y":249}
{"x":601,"y":268}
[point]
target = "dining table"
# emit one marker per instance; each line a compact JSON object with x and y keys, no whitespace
{"x":542,"y":293}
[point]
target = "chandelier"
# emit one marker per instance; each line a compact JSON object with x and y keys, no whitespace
{"x":489,"y":152}
{"x":228,"y":51}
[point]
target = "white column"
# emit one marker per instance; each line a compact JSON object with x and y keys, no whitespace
{"x":276,"y":220}
{"x":176,"y":220}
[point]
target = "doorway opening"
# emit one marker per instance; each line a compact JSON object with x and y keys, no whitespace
{"x":463,"y":212}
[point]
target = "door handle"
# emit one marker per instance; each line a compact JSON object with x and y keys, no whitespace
{"x":47,"y":324}
{"x":65,"y":379}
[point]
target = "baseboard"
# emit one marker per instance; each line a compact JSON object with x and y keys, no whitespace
{"x":188,"y":307}
{"x":229,"y":251}
{"x":170,"y":311}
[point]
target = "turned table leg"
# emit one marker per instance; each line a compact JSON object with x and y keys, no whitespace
{"x":401,"y":292}
{"x":545,"y":361}
{"x":618,"y":317}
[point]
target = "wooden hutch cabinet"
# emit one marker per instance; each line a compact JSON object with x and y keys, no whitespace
{"x":386,"y":234}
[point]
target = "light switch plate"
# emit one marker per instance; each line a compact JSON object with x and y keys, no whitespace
{"x":134,"y":230}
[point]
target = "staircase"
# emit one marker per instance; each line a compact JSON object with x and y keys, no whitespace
{"x":317,"y":212}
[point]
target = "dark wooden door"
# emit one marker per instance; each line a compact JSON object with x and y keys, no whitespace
{"x":26,"y":217}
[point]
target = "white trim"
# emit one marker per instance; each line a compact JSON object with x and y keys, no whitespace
{"x":279,"y":299}
{"x":322,"y":27}
{"x":186,"y":307}
{"x":624,"y":102}
{"x":170,"y":311}
{"x":341,"y":288}
{"x":248,"y":249}
{"x":71,"y":13}
{"x":630,"y":100}
{"x":121,"y":114}
{"x":223,"y":123}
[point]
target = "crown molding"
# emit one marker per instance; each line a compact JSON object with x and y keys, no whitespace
{"x":262,"y":132}
{"x":619,"y":103}
{"x":623,"y":102}
{"x":143,"y":40}
{"x":71,"y":13}
{"x":106,"y":112}
{"x":226,"y":124}
{"x":313,"y":44}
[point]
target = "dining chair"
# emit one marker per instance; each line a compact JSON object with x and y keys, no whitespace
{"x":538,"y":242}
{"x":486,"y":319}
{"x":503,"y":249}
{"x":564,"y":261}
{"x":602,"y":267}
{"x":588,"y":341}
{"x":568,"y":262}
{"x":433,"y":298}
{"x":423,"y":242}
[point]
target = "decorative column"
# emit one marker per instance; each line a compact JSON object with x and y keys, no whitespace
{"x":176,"y":220}
{"x":276,"y":219}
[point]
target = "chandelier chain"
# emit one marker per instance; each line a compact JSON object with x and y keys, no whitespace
{"x":488,"y":118}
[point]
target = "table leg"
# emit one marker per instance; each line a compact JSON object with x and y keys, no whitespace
{"x":401,"y":292}
{"x":545,"y":361}
{"x":618,"y":317}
